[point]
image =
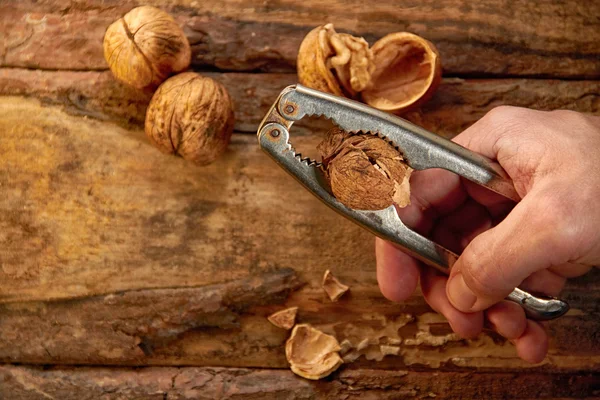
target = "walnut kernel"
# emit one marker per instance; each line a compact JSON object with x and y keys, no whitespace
{"x":334,"y":62}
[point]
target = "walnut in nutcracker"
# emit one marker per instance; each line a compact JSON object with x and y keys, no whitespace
{"x":365,"y":172}
{"x":397,"y":74}
{"x":190,"y":115}
{"x":145,"y":47}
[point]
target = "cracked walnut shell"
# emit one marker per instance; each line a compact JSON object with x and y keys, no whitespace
{"x":364,"y":171}
{"x":333,"y":287}
{"x":397,"y":74}
{"x":190,"y":115}
{"x":333,"y":62}
{"x":311,"y":353}
{"x":284,"y":319}
{"x":146,"y":46}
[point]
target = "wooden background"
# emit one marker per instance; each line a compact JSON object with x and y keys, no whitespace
{"x":128,"y":274}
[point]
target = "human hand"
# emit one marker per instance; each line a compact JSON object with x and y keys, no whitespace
{"x":550,"y":235}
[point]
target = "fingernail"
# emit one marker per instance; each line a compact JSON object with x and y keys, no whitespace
{"x":459,"y":294}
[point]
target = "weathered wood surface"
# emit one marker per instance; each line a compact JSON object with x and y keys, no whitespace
{"x":457,"y":104}
{"x":519,"y":37}
{"x":31,"y":383}
{"x":113,"y":253}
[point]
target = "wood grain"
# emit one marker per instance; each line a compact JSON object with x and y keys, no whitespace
{"x":31,"y":383}
{"x":517,"y":37}
{"x":127,"y":273}
{"x":113,"y":253}
{"x":457,"y":104}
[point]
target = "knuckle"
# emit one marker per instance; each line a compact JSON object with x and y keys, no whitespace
{"x":506,"y":114}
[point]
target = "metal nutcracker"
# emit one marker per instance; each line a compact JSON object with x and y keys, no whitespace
{"x":420,"y":149}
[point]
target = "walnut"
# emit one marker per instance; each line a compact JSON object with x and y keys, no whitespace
{"x":333,"y":287}
{"x":334,"y":62}
{"x":285,"y":318}
{"x":146,"y":46}
{"x":397,"y":74}
{"x":190,"y":115}
{"x":311,"y":353}
{"x":365,"y":172}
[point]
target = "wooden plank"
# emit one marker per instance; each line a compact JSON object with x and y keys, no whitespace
{"x":113,"y":253}
{"x":31,"y":383}
{"x":544,"y":39}
{"x":226,"y":325}
{"x":457,"y":104}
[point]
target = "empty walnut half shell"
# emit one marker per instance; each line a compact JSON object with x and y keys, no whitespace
{"x":407,"y":73}
{"x":333,"y":62}
{"x":311,"y":353}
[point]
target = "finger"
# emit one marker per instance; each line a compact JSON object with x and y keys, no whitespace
{"x":434,"y":192}
{"x":508,"y":319}
{"x":570,"y":270}
{"x":501,"y":123}
{"x":544,"y":282}
{"x":497,"y":205}
{"x":397,"y":273}
{"x":457,"y":229}
{"x":532,"y":346}
{"x":433,"y":286}
{"x":499,"y":259}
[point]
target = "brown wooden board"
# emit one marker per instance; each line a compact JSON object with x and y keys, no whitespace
{"x":114,"y":253}
{"x":457,"y":104}
{"x":127,"y":273}
{"x":31,"y":383}
{"x":541,"y":38}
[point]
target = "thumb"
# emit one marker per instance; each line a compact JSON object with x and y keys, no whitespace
{"x":498,"y":260}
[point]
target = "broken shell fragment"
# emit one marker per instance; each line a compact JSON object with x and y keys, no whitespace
{"x":336,"y":63}
{"x":407,"y":73}
{"x":311,"y":353}
{"x":285,"y":318}
{"x":333,"y":287}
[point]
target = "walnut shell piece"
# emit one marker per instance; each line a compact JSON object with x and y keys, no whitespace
{"x":285,"y":318}
{"x":333,"y":287}
{"x":146,"y":46}
{"x":311,"y":353}
{"x":190,"y":115}
{"x":407,"y":73}
{"x":365,"y":172}
{"x":336,"y":63}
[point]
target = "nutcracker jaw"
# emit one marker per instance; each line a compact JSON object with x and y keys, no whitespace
{"x":420,"y":149}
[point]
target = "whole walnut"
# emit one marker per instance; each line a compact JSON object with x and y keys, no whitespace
{"x":145,"y":47}
{"x":190,"y":115}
